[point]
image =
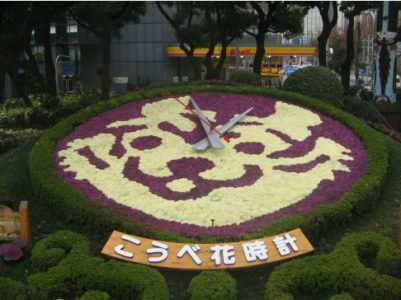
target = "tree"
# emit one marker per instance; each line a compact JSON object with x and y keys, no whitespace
{"x":189,"y":33}
{"x":329,"y":14}
{"x":105,"y":20}
{"x":337,"y":42}
{"x":43,"y":14}
{"x":276,"y":17}
{"x":15,"y":35}
{"x":350,"y":10}
{"x":223,"y":23}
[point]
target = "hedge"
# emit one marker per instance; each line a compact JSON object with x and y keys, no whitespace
{"x":217,"y":285}
{"x":11,"y":289}
{"x":364,"y":265}
{"x":71,"y":205}
{"x":71,"y":271}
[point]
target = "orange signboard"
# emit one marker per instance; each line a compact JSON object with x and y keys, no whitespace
{"x":213,"y":256}
{"x":247,"y":51}
{"x":270,"y":71}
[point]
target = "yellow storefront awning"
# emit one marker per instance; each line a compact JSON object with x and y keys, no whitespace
{"x":250,"y":51}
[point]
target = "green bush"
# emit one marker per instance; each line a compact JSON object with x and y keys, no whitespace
{"x":70,"y":204}
{"x":245,"y":77}
{"x":11,"y":289}
{"x":14,"y":103}
{"x":342,"y":271}
{"x":44,"y":101}
{"x":89,"y":97}
{"x":13,"y":138}
{"x":64,"y":269}
{"x":216,"y":285}
{"x":361,"y":109}
{"x":342,"y":296}
{"x":316,"y":82}
{"x":37,"y":117}
{"x":15,"y":117}
{"x":95,"y":295}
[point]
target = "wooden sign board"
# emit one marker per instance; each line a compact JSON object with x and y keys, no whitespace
{"x":207,"y":256}
{"x":15,"y":225}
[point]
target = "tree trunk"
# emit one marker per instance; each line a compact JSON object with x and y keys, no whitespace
{"x":190,"y":56}
{"x":105,"y":68}
{"x":208,"y":63}
{"x":2,"y":82}
{"x":346,"y":66}
{"x":223,"y":55}
{"x":35,"y":69}
{"x":49,"y":64}
{"x":328,"y":25}
{"x":260,"y":52}
{"x":322,"y":41}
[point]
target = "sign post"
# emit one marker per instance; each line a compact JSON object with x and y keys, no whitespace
{"x":215,"y":256}
{"x":15,"y":225}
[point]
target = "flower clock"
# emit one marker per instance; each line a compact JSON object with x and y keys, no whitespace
{"x":232,"y":164}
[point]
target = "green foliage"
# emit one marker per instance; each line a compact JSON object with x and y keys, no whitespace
{"x":11,"y":289}
{"x":245,"y":77}
{"x":89,"y":97}
{"x":342,"y":296}
{"x":343,"y":271}
{"x":217,"y":285}
{"x":15,"y":118}
{"x":13,"y":138}
{"x":64,"y":269}
{"x":139,"y":84}
{"x":316,"y":82}
{"x":44,"y":101}
{"x":95,"y":295}
{"x":75,"y":209}
{"x":14,"y":103}
{"x":361,"y":109}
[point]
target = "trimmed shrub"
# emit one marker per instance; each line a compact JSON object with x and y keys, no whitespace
{"x":316,"y":82}
{"x":361,"y":109}
{"x":44,"y":101}
{"x":11,"y":289}
{"x":65,"y":270}
{"x":342,"y":271}
{"x":245,"y":77}
{"x":213,"y":285}
{"x":74,"y":208}
{"x":95,"y":295}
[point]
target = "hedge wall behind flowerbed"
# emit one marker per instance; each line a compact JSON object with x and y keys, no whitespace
{"x":73,"y":207}
{"x":365,"y":265}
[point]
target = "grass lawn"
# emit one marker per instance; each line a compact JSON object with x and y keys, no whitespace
{"x":15,"y":186}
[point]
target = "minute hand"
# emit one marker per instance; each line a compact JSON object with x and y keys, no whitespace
{"x":204,"y":143}
{"x":212,"y":137}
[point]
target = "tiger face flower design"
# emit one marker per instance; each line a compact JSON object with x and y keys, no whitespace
{"x":281,"y":159}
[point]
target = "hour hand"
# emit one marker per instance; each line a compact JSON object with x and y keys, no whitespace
{"x":204,"y":143}
{"x":212,"y":137}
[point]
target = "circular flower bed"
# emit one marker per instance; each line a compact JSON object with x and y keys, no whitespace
{"x":281,"y":159}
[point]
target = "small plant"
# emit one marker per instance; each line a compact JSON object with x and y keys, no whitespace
{"x":139,"y":84}
{"x":12,"y":251}
{"x":245,"y":77}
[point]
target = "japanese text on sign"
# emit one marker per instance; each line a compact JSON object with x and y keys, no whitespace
{"x":207,"y":256}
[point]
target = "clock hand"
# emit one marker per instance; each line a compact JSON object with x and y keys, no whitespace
{"x":204,"y":143}
{"x":211,"y":136}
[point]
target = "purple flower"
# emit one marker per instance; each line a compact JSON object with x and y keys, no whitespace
{"x":12,"y":251}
